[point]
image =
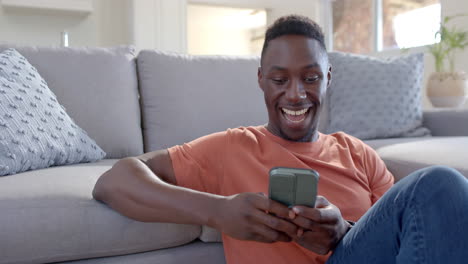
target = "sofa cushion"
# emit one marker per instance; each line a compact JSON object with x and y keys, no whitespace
{"x":379,"y":143}
{"x":447,"y":122}
{"x":209,"y":234}
{"x":49,"y":215}
{"x":185,"y":97}
{"x":98,"y":87}
{"x":35,"y":130}
{"x":403,"y":158}
{"x":194,"y":253}
{"x":374,"y":98}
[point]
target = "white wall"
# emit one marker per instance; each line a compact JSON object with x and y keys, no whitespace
{"x":107,"y":25}
{"x":114,"y":22}
{"x":453,"y":7}
{"x":275,"y":8}
{"x":159,"y":24}
{"x":449,"y":8}
{"x":215,"y":30}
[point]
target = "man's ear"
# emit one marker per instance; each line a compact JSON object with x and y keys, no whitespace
{"x":329,"y":75}
{"x":260,"y":77}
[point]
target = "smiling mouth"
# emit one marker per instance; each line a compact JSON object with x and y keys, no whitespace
{"x":295,"y":116}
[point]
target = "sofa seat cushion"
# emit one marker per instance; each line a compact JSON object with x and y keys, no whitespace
{"x":403,"y":158}
{"x":379,"y":143}
{"x":50,"y":215}
{"x":196,"y":252}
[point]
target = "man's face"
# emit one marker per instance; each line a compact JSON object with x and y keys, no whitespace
{"x":294,"y":77}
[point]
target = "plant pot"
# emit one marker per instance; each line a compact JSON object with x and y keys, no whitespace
{"x":447,"y":89}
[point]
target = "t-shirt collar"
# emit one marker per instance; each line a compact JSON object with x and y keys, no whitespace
{"x":310,"y":147}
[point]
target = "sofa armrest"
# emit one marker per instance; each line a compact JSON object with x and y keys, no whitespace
{"x":446,"y":122}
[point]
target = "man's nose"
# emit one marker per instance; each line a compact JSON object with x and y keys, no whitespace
{"x":296,"y":92}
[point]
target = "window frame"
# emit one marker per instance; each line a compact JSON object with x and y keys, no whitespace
{"x":376,"y":33}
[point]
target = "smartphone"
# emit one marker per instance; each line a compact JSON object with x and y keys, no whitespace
{"x":292,"y":186}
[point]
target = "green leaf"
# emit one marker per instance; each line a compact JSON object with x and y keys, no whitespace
{"x":451,"y":40}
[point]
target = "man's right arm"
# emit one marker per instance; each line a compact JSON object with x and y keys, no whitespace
{"x":144,"y":188}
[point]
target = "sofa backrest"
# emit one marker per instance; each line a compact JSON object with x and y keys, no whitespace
{"x":99,"y":89}
{"x":184,"y":97}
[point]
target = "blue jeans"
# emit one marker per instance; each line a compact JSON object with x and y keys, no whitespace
{"x":422,"y":219}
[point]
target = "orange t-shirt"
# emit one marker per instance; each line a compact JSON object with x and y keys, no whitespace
{"x":352,"y":177}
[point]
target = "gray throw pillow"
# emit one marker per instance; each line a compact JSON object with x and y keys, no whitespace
{"x":376,"y":98}
{"x":35,"y":130}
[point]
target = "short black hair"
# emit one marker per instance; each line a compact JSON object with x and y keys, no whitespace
{"x":294,"y":25}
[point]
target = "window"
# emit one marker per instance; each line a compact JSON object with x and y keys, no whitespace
{"x":409,"y":24}
{"x":367,"y":26}
{"x":352,"y":26}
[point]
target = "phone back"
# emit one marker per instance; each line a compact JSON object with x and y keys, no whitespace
{"x":291,"y":186}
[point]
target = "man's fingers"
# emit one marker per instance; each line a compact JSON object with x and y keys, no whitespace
{"x":328,"y":214}
{"x":318,"y":214}
{"x":266,"y":204}
{"x":268,"y":235}
{"x":316,"y":240}
{"x":276,"y":223}
{"x":304,"y":222}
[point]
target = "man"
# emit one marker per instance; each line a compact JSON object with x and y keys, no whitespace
{"x":218,"y":180}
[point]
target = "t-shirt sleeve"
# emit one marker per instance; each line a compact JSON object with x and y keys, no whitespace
{"x":198,"y":165}
{"x":380,"y":179}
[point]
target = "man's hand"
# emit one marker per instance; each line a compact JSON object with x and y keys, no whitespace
{"x":321,"y":228}
{"x":245,"y":216}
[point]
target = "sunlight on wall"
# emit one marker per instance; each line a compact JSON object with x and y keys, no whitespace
{"x":223,"y":30}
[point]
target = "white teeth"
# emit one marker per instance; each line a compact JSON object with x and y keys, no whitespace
{"x":290,"y":112}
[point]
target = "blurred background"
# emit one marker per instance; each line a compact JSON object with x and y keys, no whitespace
{"x":229,"y":27}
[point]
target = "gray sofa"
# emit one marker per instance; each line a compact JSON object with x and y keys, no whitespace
{"x":132,"y":104}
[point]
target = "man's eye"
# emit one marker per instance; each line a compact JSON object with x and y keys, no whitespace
{"x":279,"y":81}
{"x":311,"y":79}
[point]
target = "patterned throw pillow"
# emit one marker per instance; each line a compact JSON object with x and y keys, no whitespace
{"x":35,"y":131}
{"x":371,"y":98}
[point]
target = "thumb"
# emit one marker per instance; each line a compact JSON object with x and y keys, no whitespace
{"x":321,"y":202}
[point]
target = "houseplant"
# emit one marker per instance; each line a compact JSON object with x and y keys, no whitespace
{"x":447,"y":87}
